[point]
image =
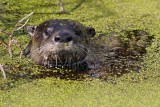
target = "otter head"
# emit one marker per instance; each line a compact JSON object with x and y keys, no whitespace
{"x":59,"y":42}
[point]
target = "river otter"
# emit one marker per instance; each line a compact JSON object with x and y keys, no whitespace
{"x":59,"y":42}
{"x":67,"y":43}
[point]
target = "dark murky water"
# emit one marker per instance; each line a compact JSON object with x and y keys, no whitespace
{"x":109,"y":55}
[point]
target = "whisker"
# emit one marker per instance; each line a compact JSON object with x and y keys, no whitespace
{"x":56,"y":60}
{"x":89,"y":53}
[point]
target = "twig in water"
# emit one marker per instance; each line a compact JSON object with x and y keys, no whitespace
{"x":13,"y":41}
{"x":15,"y":27}
{"x":6,"y":33}
{"x":3,"y":72}
{"x":22,"y":25}
{"x":61,"y":7}
{"x":2,"y":42}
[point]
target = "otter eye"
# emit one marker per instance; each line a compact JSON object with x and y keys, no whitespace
{"x":46,"y":33}
{"x":78,"y":32}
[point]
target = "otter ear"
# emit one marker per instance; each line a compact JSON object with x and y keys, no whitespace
{"x":91,"y":31}
{"x":31,"y":30}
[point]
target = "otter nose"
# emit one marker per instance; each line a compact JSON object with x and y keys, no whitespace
{"x":63,"y":37}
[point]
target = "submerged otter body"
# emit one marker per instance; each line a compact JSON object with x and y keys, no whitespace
{"x":59,"y":42}
{"x":119,"y":54}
